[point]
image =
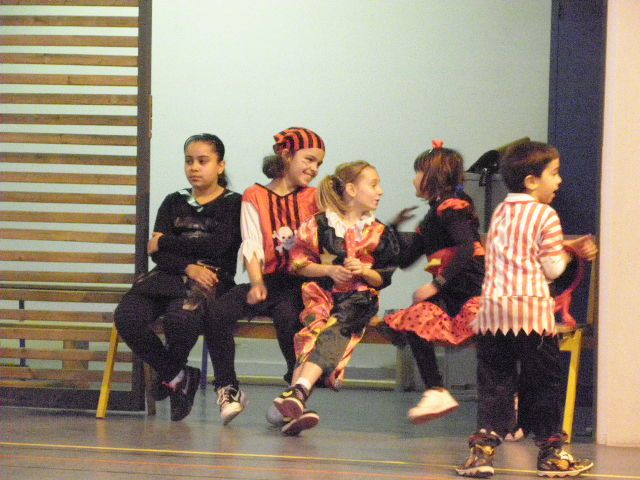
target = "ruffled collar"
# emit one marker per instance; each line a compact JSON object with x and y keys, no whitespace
{"x":336,"y":222}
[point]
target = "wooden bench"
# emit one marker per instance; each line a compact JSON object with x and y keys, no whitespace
{"x":259,"y":328}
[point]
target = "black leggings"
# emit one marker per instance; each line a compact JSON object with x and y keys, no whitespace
{"x":133,"y":318}
{"x":283,"y":305}
{"x":540,"y":379}
{"x":425,"y":356}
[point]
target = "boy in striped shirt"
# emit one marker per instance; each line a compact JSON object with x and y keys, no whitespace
{"x":525,"y":250}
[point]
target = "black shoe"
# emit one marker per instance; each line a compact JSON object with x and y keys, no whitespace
{"x":182,"y":397}
{"x":159,"y":391}
{"x":307,"y":420}
{"x":291,"y":402}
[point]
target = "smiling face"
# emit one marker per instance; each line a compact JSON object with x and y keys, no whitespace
{"x":365,"y":191}
{"x":202,"y":166}
{"x":302,"y":167}
{"x":544,"y":187}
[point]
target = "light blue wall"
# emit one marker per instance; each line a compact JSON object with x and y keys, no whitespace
{"x":377,"y":79}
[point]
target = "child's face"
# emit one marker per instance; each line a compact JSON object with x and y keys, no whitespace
{"x":544,"y":187}
{"x":417,"y":183}
{"x":366,"y":191}
{"x":202,"y":166}
{"x":303,"y":166}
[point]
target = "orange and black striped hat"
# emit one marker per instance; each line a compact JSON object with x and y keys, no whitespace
{"x":297,"y":138}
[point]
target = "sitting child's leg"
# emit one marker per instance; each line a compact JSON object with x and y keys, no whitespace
{"x":436,"y":400}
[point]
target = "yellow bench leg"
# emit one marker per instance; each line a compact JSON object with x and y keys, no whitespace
{"x":573,"y":345}
{"x":105,"y":388}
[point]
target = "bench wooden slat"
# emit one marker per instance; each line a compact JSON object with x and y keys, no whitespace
{"x":64,"y":277}
{"x":70,"y":40}
{"x":82,"y":199}
{"x":69,"y":139}
{"x":56,"y":316}
{"x":69,"y":375}
{"x":80,"y":80}
{"x":57,"y":333}
{"x":59,"y":296}
{"x":67,"y":21}
{"x":67,"y":257}
{"x":46,"y":119}
{"x":73,"y":198}
{"x":70,"y":236}
{"x":67,"y":178}
{"x":68,"y":159}
{"x":66,"y":354}
{"x":77,"y":3}
{"x":68,"y":99}
{"x":71,"y":217}
{"x":66,"y":59}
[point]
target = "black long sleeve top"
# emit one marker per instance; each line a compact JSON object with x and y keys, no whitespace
{"x":210,"y":233}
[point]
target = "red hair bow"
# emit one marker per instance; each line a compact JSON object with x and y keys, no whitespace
{"x":437,"y":143}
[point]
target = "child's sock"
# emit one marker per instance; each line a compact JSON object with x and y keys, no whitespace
{"x":305,"y":384}
{"x":173,"y":384}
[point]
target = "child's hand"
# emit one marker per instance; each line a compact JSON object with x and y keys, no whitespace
{"x":339,"y":274}
{"x":584,"y":247}
{"x":202,"y":275}
{"x":257,"y":294}
{"x":404,"y":215}
{"x":355,"y":266}
{"x":425,"y":292}
{"x":152,"y":245}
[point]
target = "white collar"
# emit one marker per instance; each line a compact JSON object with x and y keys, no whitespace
{"x":340,"y":226}
{"x":519,"y":197}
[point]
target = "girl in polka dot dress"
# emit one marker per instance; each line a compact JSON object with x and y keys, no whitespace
{"x":443,"y":308}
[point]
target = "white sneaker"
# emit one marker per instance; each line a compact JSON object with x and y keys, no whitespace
{"x":232,"y":401}
{"x":435,"y":403}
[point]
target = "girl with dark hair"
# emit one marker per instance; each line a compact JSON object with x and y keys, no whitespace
{"x":442,"y":308}
{"x":351,"y":256}
{"x":194,"y":245}
{"x":271,"y":215}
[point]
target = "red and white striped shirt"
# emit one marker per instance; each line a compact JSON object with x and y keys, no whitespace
{"x":515,"y":293}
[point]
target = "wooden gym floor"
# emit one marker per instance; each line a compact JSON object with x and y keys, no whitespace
{"x":363,"y":434}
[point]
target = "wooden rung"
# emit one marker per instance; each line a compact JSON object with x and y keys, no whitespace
{"x":67,"y":21}
{"x":65,"y":277}
{"x":69,"y":236}
{"x":61,"y":217}
{"x":67,"y":99}
{"x":58,"y":334}
{"x":67,"y":178}
{"x":61,"y":59}
{"x":58,"y":296}
{"x":54,"y":79}
{"x":70,"y":40}
{"x":66,"y":354}
{"x":36,"y":119}
{"x":75,"y":198}
{"x":68,"y":159}
{"x":50,"y":374}
{"x":56,"y":316}
{"x":76,"y":3}
{"x":66,"y":257}
{"x":69,"y":139}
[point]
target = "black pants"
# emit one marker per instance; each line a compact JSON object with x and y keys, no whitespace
{"x":425,"y":356}
{"x":133,"y":318}
{"x":540,"y":376}
{"x":283,"y":305}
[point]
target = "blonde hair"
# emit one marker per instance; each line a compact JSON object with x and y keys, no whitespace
{"x":331,"y":190}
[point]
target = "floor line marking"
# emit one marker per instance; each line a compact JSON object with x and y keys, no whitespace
{"x":282,"y":457}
